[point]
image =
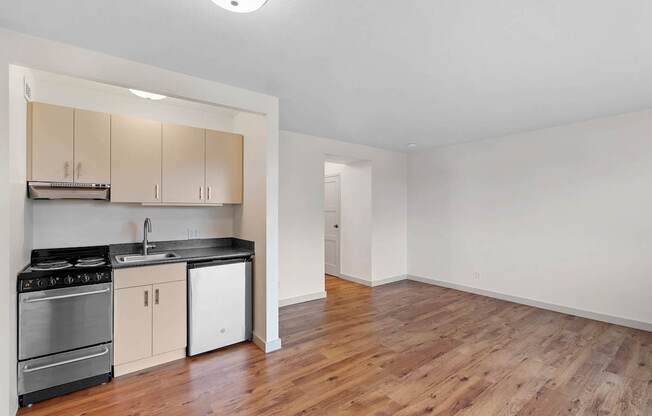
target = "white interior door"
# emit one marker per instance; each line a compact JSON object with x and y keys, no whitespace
{"x":332,"y":224}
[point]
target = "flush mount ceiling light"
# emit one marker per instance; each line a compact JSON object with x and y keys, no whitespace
{"x":412,"y":145}
{"x":240,"y":6}
{"x":147,"y":95}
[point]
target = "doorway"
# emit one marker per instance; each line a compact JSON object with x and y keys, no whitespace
{"x":347,"y":219}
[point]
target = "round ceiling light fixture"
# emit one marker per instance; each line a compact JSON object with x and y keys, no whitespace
{"x":240,"y":6}
{"x":147,"y":95}
{"x":412,"y":145}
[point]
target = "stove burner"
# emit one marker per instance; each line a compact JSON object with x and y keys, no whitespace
{"x":51,"y":265}
{"x":90,"y":260}
{"x":90,"y":264}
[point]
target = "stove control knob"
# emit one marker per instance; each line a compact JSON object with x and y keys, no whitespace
{"x":68,"y":280}
{"x":53,"y":281}
{"x":85,"y":278}
{"x":41,"y":283}
{"x":99,"y":277}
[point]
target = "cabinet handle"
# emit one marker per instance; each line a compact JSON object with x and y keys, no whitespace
{"x":66,"y":167}
{"x":156,"y":297}
{"x":201,"y":193}
{"x":146,"y":298}
{"x":78,"y":170}
{"x":209,"y":193}
{"x":156,"y":191}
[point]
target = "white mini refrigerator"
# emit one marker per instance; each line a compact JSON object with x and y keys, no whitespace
{"x":219,"y":304}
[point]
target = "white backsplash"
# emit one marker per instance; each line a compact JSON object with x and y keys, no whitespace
{"x":82,"y":223}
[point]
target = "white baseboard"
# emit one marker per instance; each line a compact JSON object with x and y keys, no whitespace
{"x":267,"y":346}
{"x":372,"y":283}
{"x":357,"y":280}
{"x":301,"y":299}
{"x":617,"y":320}
{"x":387,"y":280}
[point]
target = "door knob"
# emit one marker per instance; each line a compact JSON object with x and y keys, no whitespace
{"x":336,"y":226}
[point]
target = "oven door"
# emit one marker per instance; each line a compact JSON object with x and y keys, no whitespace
{"x":57,"y":320}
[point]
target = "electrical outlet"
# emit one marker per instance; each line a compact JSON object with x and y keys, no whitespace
{"x":476,"y":275}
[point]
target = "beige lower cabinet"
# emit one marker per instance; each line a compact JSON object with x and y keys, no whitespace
{"x":133,"y":324}
{"x":149,"y":316}
{"x":169,"y":326}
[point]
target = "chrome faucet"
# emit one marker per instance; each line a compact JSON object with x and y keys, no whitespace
{"x":147,"y":228}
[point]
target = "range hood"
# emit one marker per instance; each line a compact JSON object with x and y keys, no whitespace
{"x":63,"y":190}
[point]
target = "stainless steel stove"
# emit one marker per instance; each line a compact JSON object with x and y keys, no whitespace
{"x":65,"y":326}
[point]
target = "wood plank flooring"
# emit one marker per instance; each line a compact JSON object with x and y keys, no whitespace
{"x":401,"y":349}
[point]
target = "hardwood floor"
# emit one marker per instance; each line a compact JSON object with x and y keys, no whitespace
{"x":405,"y":348}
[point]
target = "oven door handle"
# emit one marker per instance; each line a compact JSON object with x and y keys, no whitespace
{"x":72,"y":360}
{"x":72,"y":295}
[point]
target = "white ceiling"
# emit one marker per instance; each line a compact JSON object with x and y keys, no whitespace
{"x":383,"y":72}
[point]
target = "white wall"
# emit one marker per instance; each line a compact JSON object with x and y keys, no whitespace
{"x":81,"y":223}
{"x":356,"y":233}
{"x":59,"y":58}
{"x":301,"y":211}
{"x":333,"y":168}
{"x":8,"y":402}
{"x":561,"y":216}
{"x":94,"y":96}
{"x":19,"y":217}
{"x":250,"y":220}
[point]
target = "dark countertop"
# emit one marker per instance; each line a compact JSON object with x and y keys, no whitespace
{"x":187,"y":250}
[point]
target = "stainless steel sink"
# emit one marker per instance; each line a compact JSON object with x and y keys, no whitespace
{"x":139,"y":258}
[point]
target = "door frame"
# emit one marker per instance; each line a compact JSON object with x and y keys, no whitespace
{"x":339,"y":223}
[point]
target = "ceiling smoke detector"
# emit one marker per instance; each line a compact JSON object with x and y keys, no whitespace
{"x":240,"y":6}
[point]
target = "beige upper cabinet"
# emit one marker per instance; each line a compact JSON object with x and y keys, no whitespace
{"x":49,"y":143}
{"x":223,"y":167}
{"x":68,"y":145}
{"x":92,"y":147}
{"x":135,"y":160}
{"x":183,"y":164}
{"x":145,"y":161}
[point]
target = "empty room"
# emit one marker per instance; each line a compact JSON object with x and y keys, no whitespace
{"x":305,"y":207}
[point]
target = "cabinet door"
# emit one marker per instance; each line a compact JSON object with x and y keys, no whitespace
{"x":223,"y":167}
{"x":135,"y":160}
{"x":169,"y":317}
{"x":92,"y":147}
{"x":132,"y":326}
{"x":50,"y":143}
{"x":183,"y":164}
